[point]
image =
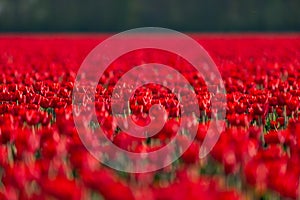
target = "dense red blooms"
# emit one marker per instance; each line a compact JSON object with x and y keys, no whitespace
{"x":256,"y":157}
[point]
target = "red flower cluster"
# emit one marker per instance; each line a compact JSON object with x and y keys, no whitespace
{"x":256,"y":156}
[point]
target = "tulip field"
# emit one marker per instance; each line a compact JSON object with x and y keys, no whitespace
{"x":257,"y":155}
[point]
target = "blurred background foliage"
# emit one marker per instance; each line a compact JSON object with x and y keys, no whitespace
{"x":118,"y":15}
